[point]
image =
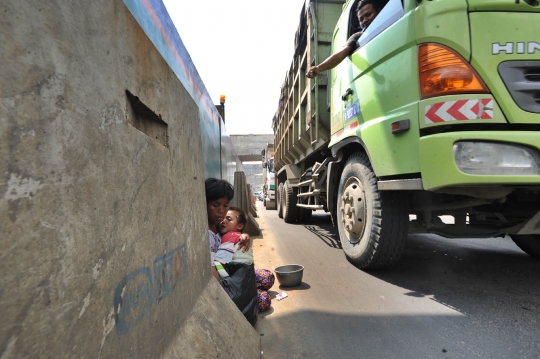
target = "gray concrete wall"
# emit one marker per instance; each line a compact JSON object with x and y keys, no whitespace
{"x":104,"y":248}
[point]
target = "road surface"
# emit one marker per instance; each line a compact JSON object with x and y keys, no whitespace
{"x":446,"y":298}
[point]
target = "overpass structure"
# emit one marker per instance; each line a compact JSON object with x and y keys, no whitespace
{"x":248,"y":148}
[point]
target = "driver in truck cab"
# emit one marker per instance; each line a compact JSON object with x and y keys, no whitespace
{"x":367,"y":11}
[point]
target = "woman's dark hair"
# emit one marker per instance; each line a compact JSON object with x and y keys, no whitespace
{"x":377,"y":4}
{"x":216,"y":189}
{"x":241,"y":216}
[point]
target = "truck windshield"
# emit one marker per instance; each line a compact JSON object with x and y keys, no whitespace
{"x":271,"y":165}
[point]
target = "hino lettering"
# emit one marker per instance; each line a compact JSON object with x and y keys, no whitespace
{"x":519,"y":47}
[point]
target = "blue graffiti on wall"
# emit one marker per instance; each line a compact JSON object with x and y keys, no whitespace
{"x":145,"y":287}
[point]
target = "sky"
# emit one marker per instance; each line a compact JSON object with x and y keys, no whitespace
{"x":241,"y":49}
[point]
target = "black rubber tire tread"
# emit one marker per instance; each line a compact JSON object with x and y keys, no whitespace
{"x":387,"y":216}
{"x":264,"y":203}
{"x":279,"y":200}
{"x":290,"y":211}
{"x":304,"y":215}
{"x":528,"y":243}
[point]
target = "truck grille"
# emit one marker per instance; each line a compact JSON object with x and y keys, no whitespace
{"x":522,"y":79}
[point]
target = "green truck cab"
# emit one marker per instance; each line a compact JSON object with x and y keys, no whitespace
{"x":436,"y":114}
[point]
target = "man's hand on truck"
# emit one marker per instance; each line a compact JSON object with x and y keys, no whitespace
{"x":367,"y":11}
{"x":330,"y":62}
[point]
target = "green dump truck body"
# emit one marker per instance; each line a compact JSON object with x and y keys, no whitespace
{"x":438,"y":110}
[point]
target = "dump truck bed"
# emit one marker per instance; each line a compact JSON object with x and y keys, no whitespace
{"x":302,"y":120}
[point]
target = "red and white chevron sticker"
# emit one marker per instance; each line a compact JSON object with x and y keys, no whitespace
{"x":460,"y":110}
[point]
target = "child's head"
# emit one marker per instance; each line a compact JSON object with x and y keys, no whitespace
{"x":234,"y":221}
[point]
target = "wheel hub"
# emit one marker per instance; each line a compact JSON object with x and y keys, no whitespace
{"x":353,"y":210}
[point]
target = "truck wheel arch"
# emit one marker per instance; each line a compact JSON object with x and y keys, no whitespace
{"x":347,"y":147}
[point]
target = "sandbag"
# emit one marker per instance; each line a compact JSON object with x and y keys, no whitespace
{"x":241,"y":286}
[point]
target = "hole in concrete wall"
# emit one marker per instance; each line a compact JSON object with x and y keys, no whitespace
{"x":146,"y":120}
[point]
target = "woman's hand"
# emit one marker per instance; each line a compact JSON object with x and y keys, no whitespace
{"x":245,"y":242}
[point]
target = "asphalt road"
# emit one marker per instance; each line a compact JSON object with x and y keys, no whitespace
{"x":446,"y":298}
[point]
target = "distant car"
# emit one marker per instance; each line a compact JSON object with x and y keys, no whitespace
{"x":259,"y":195}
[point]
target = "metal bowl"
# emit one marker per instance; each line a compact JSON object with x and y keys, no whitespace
{"x":289,"y":275}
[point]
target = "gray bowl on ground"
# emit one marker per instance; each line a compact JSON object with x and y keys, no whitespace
{"x":289,"y":275}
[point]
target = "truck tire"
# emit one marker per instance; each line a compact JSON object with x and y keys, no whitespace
{"x":270,"y":205}
{"x":279,"y":200}
{"x":372,"y":225}
{"x":290,"y":211}
{"x":528,"y":243}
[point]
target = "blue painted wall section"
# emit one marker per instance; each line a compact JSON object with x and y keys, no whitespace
{"x":146,"y":287}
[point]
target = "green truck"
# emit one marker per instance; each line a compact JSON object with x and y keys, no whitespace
{"x":436,"y":114}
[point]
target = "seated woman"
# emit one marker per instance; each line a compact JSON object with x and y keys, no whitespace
{"x":219,"y":194}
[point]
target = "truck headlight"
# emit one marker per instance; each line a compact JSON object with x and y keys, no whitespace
{"x":490,"y":158}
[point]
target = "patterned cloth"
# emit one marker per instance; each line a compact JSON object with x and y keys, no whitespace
{"x":265,"y":279}
{"x":263,"y":300}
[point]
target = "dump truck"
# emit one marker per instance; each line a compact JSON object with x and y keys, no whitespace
{"x":435,"y":115}
{"x":268,"y":177}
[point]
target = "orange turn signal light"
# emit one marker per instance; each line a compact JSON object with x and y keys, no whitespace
{"x":443,"y":71}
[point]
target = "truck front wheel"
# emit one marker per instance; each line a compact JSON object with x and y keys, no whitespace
{"x":372,"y":225}
{"x":528,"y":243}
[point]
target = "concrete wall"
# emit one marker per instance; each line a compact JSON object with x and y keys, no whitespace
{"x":104,"y":248}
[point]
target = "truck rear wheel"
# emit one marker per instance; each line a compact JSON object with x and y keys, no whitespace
{"x":270,"y":205}
{"x":290,"y":211}
{"x":528,"y":243}
{"x":372,"y":225}
{"x":279,"y":200}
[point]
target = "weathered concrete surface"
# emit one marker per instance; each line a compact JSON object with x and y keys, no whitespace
{"x":206,"y":316}
{"x":104,"y":248}
{"x":249,"y":147}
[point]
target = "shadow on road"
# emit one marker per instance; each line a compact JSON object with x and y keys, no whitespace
{"x":319,"y":334}
{"x":302,"y":286}
{"x":321,"y":226}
